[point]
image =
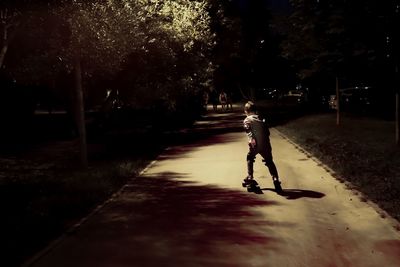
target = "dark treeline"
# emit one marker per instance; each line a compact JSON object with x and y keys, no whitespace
{"x":160,"y":56}
{"x":138,"y":56}
{"x":355,"y":41}
{"x":307,"y":45}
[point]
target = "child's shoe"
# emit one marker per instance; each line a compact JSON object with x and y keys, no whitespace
{"x":247,"y":181}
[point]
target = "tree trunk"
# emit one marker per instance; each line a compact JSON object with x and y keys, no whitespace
{"x":244,"y":95}
{"x":8,"y":30}
{"x":337,"y":102}
{"x":252,"y":94}
{"x":80,"y":113}
{"x":397,"y":119}
{"x":4,"y":49}
{"x":3,"y":53}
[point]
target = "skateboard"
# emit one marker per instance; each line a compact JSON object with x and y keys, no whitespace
{"x":251,"y":185}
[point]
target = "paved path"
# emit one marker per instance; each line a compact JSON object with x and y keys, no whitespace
{"x":189,"y":209}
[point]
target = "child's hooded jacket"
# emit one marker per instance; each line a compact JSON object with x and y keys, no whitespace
{"x":257,"y":131}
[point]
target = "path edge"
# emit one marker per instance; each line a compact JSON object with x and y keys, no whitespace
{"x":348,"y":185}
{"x":53,"y":244}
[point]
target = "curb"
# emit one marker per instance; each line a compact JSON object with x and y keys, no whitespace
{"x":349,"y":186}
{"x":52,"y":245}
{"x":308,"y":154}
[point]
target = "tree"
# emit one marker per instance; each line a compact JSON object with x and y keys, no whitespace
{"x":342,"y":38}
{"x":107,"y":32}
{"x":247,"y":52}
{"x":13,"y":15}
{"x":9,"y":22}
{"x":171,"y":39}
{"x":173,"y":59}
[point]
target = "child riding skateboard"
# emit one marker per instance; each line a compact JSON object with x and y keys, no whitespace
{"x":259,"y":143}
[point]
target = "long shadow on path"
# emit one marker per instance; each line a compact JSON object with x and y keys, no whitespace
{"x":297,"y":193}
{"x":160,"y":220}
{"x":211,"y":125}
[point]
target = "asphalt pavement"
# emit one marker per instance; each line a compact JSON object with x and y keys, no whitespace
{"x":188,"y":208}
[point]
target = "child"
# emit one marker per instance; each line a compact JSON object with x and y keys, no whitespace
{"x":214,"y":99}
{"x":222,"y":100}
{"x":205,"y":100}
{"x":259,"y":143}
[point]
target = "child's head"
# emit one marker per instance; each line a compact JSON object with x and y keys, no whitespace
{"x":250,"y":107}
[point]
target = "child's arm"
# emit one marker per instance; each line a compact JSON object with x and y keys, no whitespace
{"x":250,"y":134}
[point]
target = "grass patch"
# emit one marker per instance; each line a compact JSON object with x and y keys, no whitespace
{"x":42,"y":194}
{"x":361,"y":150}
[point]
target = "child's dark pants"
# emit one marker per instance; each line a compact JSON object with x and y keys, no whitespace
{"x":267,"y":159}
